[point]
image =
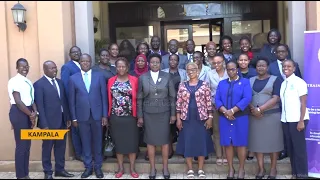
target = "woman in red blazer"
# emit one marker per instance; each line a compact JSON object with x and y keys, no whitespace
{"x":122,"y":101}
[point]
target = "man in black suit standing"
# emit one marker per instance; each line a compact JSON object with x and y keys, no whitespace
{"x":50,"y":97}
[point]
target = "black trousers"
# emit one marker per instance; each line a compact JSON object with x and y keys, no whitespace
{"x":20,"y":120}
{"x":297,"y":148}
{"x":59,"y":149}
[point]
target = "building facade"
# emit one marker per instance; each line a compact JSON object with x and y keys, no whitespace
{"x":53,"y":27}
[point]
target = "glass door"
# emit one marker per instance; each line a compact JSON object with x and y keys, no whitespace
{"x":179,"y":32}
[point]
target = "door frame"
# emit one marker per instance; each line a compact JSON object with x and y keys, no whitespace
{"x":187,"y":24}
{"x":167,"y":27}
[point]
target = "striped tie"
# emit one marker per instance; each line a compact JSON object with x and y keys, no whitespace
{"x":31,"y":94}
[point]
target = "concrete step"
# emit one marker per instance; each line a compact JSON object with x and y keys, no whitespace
{"x":176,"y":165}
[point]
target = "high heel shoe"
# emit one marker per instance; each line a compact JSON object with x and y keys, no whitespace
{"x":153,"y":176}
{"x":166,"y":176}
{"x":261,"y":176}
{"x":241,"y":177}
{"x":272,"y":177}
{"x":231,"y":177}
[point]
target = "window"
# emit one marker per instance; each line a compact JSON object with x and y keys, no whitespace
{"x":129,"y":37}
{"x":256,"y":30}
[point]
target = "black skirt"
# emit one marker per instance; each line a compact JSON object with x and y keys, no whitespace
{"x":125,"y":134}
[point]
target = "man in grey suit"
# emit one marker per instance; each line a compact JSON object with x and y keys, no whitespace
{"x":173,"y":49}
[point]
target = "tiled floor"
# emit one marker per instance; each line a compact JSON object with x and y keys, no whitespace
{"x":38,"y":175}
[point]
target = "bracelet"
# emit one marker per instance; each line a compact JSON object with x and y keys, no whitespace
{"x":210,"y":116}
{"x":232,"y":111}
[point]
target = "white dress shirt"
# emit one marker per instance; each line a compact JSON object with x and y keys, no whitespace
{"x":55,"y":81}
{"x":177,"y":53}
{"x":57,"y":85}
{"x":190,"y":59}
{"x":22,"y":85}
{"x":77,"y":63}
{"x":292,"y":88}
{"x":280,"y":69}
{"x":154,"y":76}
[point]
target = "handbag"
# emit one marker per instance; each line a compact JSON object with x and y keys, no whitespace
{"x":141,"y":137}
{"x":109,"y":148}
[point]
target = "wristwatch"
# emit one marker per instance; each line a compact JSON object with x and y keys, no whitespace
{"x":210,"y":116}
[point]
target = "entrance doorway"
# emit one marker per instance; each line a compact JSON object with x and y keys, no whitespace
{"x":201,"y":32}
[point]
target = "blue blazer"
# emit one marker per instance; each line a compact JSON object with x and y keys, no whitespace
{"x":68,"y":70}
{"x":251,"y":73}
{"x":49,"y":104}
{"x":237,"y":93}
{"x":82,"y":103}
{"x":274,"y":70}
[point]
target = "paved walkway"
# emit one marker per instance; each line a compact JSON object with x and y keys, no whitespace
{"x":39,"y":175}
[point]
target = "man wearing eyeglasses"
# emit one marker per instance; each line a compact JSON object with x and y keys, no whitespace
{"x":67,"y":70}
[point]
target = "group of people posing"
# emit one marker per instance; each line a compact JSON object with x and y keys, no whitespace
{"x":254,"y":103}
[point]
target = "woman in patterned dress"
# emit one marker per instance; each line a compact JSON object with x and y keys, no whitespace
{"x":122,"y":92}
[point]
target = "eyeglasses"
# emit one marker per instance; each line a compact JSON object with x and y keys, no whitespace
{"x":216,"y":63}
{"x":155,"y":63}
{"x":232,"y":69}
{"x":192,"y":70}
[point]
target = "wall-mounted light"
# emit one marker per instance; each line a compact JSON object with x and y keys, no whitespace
{"x":19,"y":14}
{"x":95,"y":24}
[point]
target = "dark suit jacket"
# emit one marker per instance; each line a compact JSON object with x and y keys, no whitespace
{"x":82,"y":103}
{"x":265,"y":51}
{"x":49,"y":104}
{"x":68,"y":70}
{"x":156,"y":98}
{"x":183,"y":61}
{"x":274,"y":70}
{"x":221,"y":54}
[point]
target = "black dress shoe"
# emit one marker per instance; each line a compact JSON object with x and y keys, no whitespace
{"x":63,"y":173}
{"x":48,"y":176}
{"x":196,"y":158}
{"x":249,"y":158}
{"x":146,"y":157}
{"x":99,"y":173}
{"x":86,"y":173}
{"x":282,"y":155}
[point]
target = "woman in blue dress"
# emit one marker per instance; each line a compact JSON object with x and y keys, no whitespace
{"x":232,"y":99}
{"x":194,"y":120}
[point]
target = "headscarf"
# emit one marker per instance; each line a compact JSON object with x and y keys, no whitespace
{"x":137,"y":70}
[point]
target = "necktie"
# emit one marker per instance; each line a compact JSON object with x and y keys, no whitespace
{"x":191,"y":58}
{"x":30,"y":91}
{"x":55,"y":86}
{"x":86,"y":81}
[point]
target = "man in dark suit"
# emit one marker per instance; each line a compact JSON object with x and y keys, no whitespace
{"x":88,"y":109}
{"x":67,"y":70}
{"x":190,"y":49}
{"x":155,"y":46}
{"x":275,"y":68}
{"x":53,"y":111}
{"x":173,"y":48}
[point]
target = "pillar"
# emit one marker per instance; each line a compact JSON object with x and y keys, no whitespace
{"x":83,"y":12}
{"x":296,"y":28}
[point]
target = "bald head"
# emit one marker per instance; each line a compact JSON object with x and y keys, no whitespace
{"x":50,"y":69}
